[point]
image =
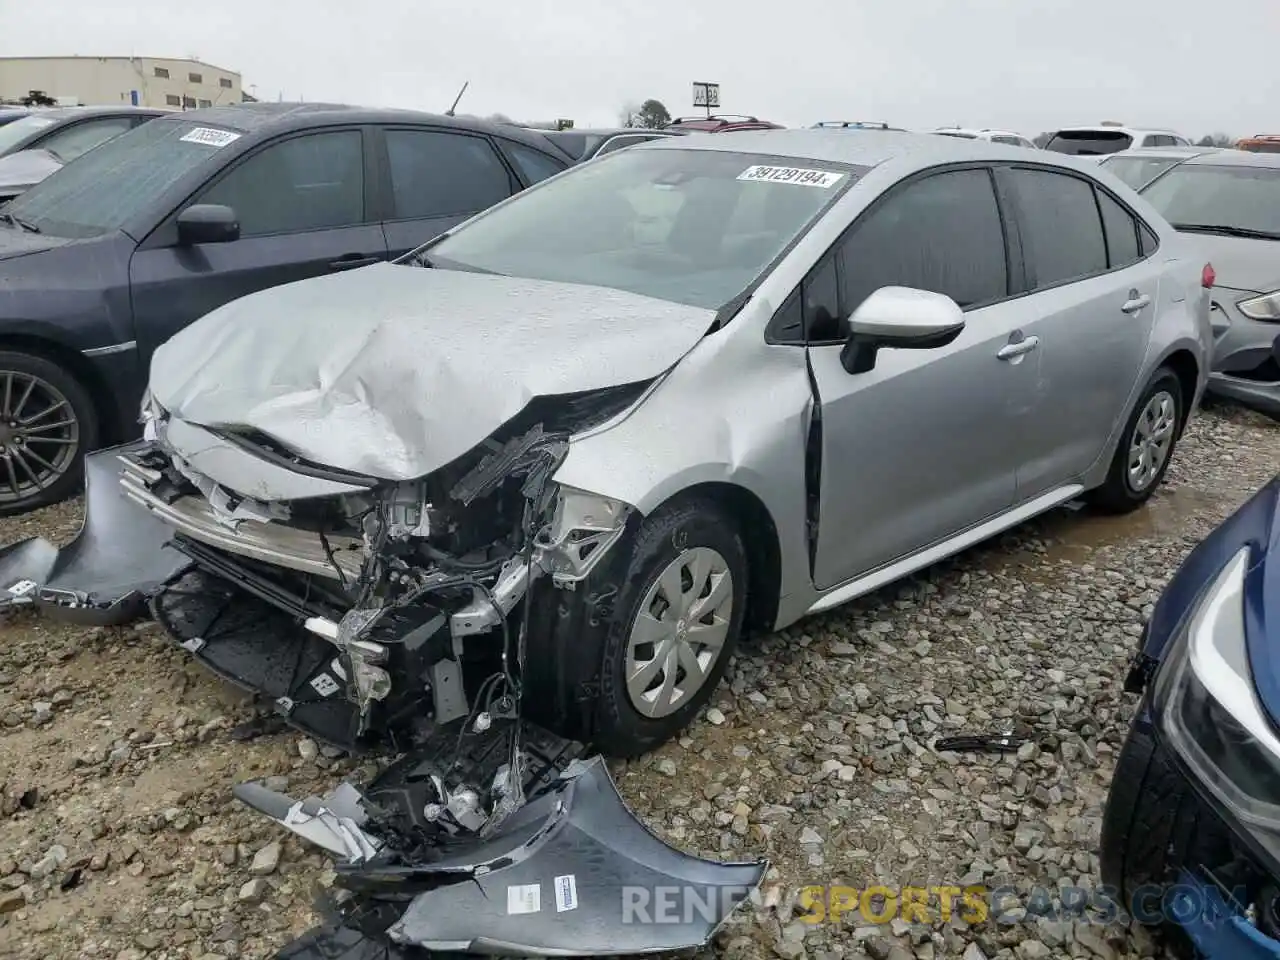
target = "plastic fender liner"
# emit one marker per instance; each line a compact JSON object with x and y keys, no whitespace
{"x":597,"y":882}
{"x":104,"y":576}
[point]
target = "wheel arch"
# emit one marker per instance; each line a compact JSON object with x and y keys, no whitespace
{"x":760,"y":537}
{"x":79,"y":367}
{"x":1182,"y":362}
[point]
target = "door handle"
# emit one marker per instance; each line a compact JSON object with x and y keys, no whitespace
{"x":1135,"y":304}
{"x":1011,"y":351}
{"x":351,"y":261}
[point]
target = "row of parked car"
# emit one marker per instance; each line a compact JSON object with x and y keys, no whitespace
{"x":538,"y":438}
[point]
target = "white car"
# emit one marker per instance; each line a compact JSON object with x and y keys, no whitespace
{"x":995,"y":136}
{"x":1111,"y":138}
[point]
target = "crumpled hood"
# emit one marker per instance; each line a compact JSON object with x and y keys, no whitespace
{"x":393,"y":371}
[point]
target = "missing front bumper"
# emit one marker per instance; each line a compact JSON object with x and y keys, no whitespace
{"x":570,"y":873}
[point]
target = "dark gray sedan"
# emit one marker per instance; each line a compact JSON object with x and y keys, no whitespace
{"x":114,"y":253}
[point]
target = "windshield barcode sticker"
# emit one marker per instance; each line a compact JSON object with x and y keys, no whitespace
{"x":210,"y":137}
{"x":566,"y":893}
{"x":525,"y":898}
{"x":798,"y":175}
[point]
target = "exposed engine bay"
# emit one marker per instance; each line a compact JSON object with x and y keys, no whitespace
{"x":376,"y":595}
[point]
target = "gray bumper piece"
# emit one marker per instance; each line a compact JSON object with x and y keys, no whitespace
{"x":572,"y":873}
{"x":1260,"y":395}
{"x":105,"y":574}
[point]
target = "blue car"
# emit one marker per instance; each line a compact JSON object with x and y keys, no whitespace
{"x":1191,"y":833}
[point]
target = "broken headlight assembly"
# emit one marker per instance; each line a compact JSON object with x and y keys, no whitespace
{"x":1265,"y":307}
{"x":1207,"y":709}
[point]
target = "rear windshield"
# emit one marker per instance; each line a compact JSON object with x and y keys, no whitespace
{"x":106,"y":187}
{"x":1210,"y":199}
{"x":691,"y":226}
{"x":1137,"y":172}
{"x":1089,"y":142}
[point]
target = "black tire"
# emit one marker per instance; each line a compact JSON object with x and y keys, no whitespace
{"x":1117,"y":495}
{"x":1153,"y":826}
{"x":578,"y":649}
{"x":21,"y":367}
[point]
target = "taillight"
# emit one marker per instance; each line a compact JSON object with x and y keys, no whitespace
{"x":1208,"y":276}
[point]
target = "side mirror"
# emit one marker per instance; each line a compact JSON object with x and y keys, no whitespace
{"x":207,"y":223}
{"x":901,"y":318}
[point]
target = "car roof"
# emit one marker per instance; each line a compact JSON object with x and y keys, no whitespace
{"x":865,"y":148}
{"x":1236,"y":158}
{"x":268,"y":119}
{"x":77,"y":113}
{"x":982,"y":131}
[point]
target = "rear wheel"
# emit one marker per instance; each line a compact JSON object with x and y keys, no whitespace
{"x":47,"y":425}
{"x":1146,"y":446}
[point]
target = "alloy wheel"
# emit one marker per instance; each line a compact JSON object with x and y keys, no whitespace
{"x":39,"y":435}
{"x":1152,"y":440}
{"x":679,"y":632}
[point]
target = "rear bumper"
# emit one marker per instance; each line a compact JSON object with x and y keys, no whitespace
{"x":273,"y":543}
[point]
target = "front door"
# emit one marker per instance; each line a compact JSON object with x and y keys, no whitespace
{"x":302,"y":206}
{"x":1094,"y":299}
{"x":925,"y":444}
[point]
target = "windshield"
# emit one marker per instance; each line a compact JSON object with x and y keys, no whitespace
{"x":691,"y":226}
{"x":103,"y":189}
{"x":1244,"y":200}
{"x":1137,"y":172}
{"x":14,"y":133}
{"x":1089,"y":142}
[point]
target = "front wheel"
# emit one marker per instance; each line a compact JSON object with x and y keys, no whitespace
{"x":635,"y":652}
{"x":1145,"y":448}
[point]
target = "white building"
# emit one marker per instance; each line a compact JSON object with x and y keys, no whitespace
{"x":145,"y":81}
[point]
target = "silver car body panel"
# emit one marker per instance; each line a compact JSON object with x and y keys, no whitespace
{"x":726,"y":409}
{"x":376,"y":371}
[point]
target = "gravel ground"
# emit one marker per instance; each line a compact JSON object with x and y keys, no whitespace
{"x":119,"y":839}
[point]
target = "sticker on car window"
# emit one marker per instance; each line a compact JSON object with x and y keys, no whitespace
{"x":210,"y":137}
{"x":798,"y":175}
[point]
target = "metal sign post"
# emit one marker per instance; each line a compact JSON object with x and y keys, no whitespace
{"x":706,"y":95}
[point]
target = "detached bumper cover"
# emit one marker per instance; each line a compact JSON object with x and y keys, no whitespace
{"x":105,"y":575}
{"x":570,"y":873}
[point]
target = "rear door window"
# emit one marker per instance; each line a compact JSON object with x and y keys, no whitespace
{"x":1061,"y":228}
{"x":533,"y":165}
{"x":1089,"y":142}
{"x":942,"y":233}
{"x":439,"y":174}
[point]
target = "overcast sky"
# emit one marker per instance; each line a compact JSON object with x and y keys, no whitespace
{"x":1029,"y":65}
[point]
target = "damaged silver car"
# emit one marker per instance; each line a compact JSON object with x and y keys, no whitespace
{"x":510,"y":502}
{"x":557,"y":460}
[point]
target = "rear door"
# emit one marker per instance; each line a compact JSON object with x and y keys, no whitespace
{"x":302,"y":202}
{"x":1092,"y":301}
{"x":434,"y":178}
